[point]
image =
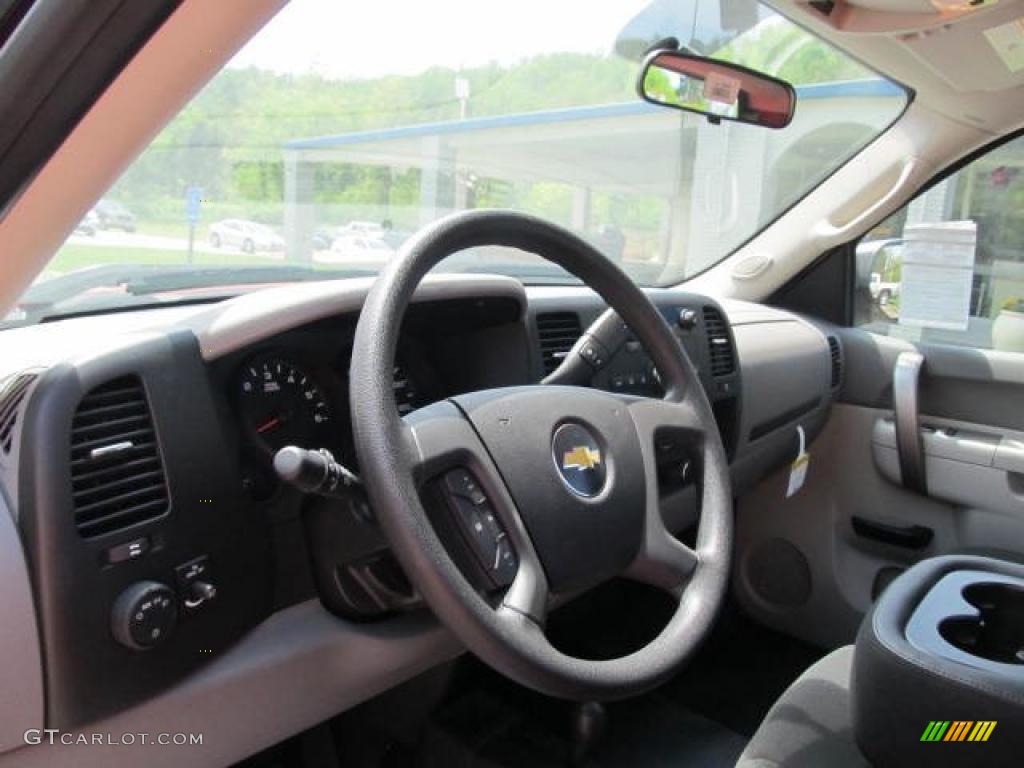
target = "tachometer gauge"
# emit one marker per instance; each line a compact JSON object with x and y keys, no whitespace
{"x":281,"y":405}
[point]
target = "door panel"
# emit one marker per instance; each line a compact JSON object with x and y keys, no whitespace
{"x":963,"y":383}
{"x":811,"y":564}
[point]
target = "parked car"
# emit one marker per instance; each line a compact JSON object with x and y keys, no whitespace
{"x":249,"y":236}
{"x":370,"y":228}
{"x":876,"y":256}
{"x":111,"y":214}
{"x":879,"y":260}
{"x":882,"y":292}
{"x":323,"y":237}
{"x":88,"y":226}
{"x":358,"y":248}
{"x":394,"y":238}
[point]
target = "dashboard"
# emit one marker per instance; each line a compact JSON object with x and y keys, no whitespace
{"x":292,"y":388}
{"x":136,"y":456}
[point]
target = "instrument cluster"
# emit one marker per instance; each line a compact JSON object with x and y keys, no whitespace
{"x":285,"y":397}
{"x":281,"y":403}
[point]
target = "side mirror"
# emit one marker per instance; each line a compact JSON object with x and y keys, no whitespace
{"x":717,"y":89}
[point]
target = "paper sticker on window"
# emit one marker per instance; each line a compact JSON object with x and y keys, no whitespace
{"x":721,"y":88}
{"x":1008,"y":41}
{"x":937,"y":274}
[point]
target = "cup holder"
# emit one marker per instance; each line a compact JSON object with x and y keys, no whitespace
{"x":997,"y":632}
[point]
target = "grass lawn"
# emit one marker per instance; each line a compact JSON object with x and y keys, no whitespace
{"x":74,"y":256}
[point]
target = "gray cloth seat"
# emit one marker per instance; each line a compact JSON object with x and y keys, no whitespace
{"x":811,"y":725}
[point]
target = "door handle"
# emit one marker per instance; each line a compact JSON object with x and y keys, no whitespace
{"x":909,"y":445}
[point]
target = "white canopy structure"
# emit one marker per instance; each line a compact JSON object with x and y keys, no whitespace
{"x":630,"y":149}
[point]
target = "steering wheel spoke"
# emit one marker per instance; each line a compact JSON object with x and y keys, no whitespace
{"x":663,"y":561}
{"x":438,"y":440}
{"x":665,"y":427}
{"x":528,"y":595}
{"x":652,"y":415}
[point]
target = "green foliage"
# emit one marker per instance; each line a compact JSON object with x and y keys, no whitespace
{"x":784,"y":50}
{"x":229,"y":140}
{"x":659,"y":86}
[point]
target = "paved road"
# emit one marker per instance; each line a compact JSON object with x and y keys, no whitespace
{"x":116,"y":239}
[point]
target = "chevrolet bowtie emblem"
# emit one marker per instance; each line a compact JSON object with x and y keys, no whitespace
{"x":581,"y":457}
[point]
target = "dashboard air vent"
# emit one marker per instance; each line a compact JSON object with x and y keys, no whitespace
{"x":837,"y":360}
{"x":557,"y":332}
{"x":12,"y":394}
{"x":719,"y":343}
{"x":117,"y":478}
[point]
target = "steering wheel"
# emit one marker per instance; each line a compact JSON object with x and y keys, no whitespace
{"x":570,"y":472}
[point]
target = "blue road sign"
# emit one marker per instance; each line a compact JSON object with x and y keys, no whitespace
{"x":193,"y":200}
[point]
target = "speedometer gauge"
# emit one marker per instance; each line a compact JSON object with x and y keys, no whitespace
{"x":281,"y":404}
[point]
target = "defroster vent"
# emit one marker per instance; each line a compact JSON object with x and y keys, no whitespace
{"x":12,"y":394}
{"x":117,"y":477}
{"x":557,"y":332}
{"x":720,"y":352}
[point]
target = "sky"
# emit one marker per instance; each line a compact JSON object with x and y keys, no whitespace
{"x":348,"y":39}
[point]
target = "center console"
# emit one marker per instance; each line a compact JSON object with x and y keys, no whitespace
{"x":940,"y":658}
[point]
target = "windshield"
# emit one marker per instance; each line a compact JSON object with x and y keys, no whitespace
{"x":342,"y":128}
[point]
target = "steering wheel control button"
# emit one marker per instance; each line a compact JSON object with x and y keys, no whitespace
{"x":462,"y":483}
{"x":144,"y":615}
{"x":580,"y":460}
{"x":480,"y":527}
{"x":505,"y":563}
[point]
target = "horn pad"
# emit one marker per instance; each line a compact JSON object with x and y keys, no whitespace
{"x":572,"y":462}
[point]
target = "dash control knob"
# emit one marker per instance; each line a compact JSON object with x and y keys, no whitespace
{"x":144,"y":615}
{"x":199,"y":593}
{"x":687,"y":319}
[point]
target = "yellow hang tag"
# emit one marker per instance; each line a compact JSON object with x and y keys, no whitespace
{"x":798,"y":469}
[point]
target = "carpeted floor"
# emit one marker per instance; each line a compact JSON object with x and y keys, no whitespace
{"x":484,"y":731}
{"x":465,"y":715}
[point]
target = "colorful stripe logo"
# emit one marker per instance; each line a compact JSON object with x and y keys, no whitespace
{"x":958,"y":730}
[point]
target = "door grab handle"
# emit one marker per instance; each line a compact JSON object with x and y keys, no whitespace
{"x":907,"y":537}
{"x":909,"y":445}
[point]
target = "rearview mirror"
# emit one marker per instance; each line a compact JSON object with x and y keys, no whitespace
{"x":717,"y":89}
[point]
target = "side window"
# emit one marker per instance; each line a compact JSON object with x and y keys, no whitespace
{"x":949,"y":267}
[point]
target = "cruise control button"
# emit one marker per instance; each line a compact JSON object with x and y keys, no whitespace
{"x":461,"y":483}
{"x":491,"y":522}
{"x":481,"y":535}
{"x":480,"y":527}
{"x":505,"y":563}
